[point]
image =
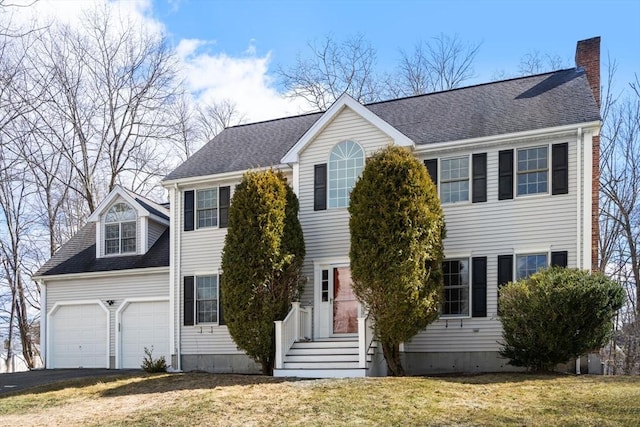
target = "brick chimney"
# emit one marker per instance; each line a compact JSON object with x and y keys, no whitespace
{"x":588,"y":57}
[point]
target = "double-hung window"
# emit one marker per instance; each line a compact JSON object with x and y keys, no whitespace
{"x":456,"y":287}
{"x":207,"y":207}
{"x":528,"y":264}
{"x":120,"y":230}
{"x":533,"y":170}
{"x":454,"y":185}
{"x":206,"y":299}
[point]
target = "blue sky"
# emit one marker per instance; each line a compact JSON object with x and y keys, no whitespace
{"x":232,"y":49}
{"x":506,"y":29}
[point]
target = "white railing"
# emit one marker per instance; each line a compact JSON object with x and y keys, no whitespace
{"x":295,"y":327}
{"x":365,"y":339}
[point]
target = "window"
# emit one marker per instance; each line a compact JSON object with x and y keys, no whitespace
{"x":120,"y":230}
{"x":528,"y":264}
{"x":454,"y":186}
{"x":533,"y":170}
{"x":346,"y":162}
{"x":207,"y":208}
{"x":207,"y":299}
{"x":456,"y":288}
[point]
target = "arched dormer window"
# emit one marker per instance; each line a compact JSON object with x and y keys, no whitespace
{"x":346,"y":162}
{"x":120,"y":230}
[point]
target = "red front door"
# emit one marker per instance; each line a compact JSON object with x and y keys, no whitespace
{"x":345,"y":305}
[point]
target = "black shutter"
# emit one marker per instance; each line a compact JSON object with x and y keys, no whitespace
{"x":559,"y":258}
{"x":560,"y":168}
{"x":505,"y":269}
{"x":479,"y":186}
{"x":432,"y":168}
{"x":189,"y":300}
{"x":505,"y":174}
{"x":320,"y":187}
{"x":220,"y":311}
{"x":479,"y":287}
{"x":225,"y":196}
{"x":188,"y":210}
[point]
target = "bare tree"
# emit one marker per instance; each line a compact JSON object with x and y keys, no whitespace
{"x":333,"y":68}
{"x":108,"y":88}
{"x":213,"y":118}
{"x":15,"y":228}
{"x":535,"y":62}
{"x":442,"y":63}
{"x":620,"y":211}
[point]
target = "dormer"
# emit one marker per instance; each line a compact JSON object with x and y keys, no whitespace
{"x":127,"y":224}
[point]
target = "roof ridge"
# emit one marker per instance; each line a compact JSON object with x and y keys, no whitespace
{"x":471,"y":86}
{"x":275,"y":120}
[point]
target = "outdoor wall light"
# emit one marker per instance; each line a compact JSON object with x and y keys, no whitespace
{"x":109,"y":302}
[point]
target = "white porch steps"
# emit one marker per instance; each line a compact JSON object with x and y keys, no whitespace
{"x":327,"y":358}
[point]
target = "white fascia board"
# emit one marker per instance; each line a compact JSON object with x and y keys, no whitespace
{"x":117,"y":191}
{"x":341,"y":103}
{"x":233,"y":175}
{"x":109,"y":273}
{"x":494,"y":139}
{"x":159,"y":219}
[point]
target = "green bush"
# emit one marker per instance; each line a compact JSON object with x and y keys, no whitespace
{"x":261,"y":262}
{"x":151,"y":365}
{"x":557,"y":315}
{"x":397,"y":229}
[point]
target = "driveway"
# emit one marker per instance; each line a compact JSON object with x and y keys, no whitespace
{"x":23,"y":380}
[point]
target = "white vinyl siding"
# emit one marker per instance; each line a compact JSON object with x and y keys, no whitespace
{"x":499,"y":227}
{"x":200,"y":254}
{"x":105,"y":288}
{"x":326,"y":232}
{"x":154,"y":231}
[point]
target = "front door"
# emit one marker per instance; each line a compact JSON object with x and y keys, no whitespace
{"x":338,"y":306}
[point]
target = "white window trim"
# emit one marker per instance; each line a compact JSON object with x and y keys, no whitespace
{"x":442,"y":181}
{"x":516,"y":173}
{"x":195,"y":208}
{"x":364,"y":160}
{"x":195,"y":299}
{"x":101,"y":231}
{"x":539,"y":251}
{"x":460,"y":316}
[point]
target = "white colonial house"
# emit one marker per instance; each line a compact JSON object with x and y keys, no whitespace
{"x":516,"y":167}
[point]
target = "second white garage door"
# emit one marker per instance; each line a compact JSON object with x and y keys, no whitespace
{"x":144,"y":324}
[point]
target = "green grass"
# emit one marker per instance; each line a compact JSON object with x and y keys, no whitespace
{"x":207,"y":399}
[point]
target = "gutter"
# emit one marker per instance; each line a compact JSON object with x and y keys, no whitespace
{"x":109,"y":273}
{"x":234,"y":175}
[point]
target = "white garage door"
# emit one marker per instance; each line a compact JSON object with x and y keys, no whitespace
{"x":79,"y":337}
{"x":144,"y":324}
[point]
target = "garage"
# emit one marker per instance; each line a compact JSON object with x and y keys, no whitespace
{"x":143,"y":324}
{"x":79,"y":336}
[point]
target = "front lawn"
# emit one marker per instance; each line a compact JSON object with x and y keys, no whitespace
{"x":207,"y":399}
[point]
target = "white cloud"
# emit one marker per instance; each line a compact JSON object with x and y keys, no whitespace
{"x":245,"y":80}
{"x":210,"y":73}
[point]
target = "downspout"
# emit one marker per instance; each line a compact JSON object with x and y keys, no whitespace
{"x":43,"y":323}
{"x":579,"y":224}
{"x":175,"y":272}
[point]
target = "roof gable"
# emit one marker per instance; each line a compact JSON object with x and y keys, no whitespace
{"x":345,"y":101}
{"x":143,"y":207}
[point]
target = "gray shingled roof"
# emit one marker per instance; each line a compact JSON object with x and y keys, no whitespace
{"x":541,"y":101}
{"x":78,"y":255}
